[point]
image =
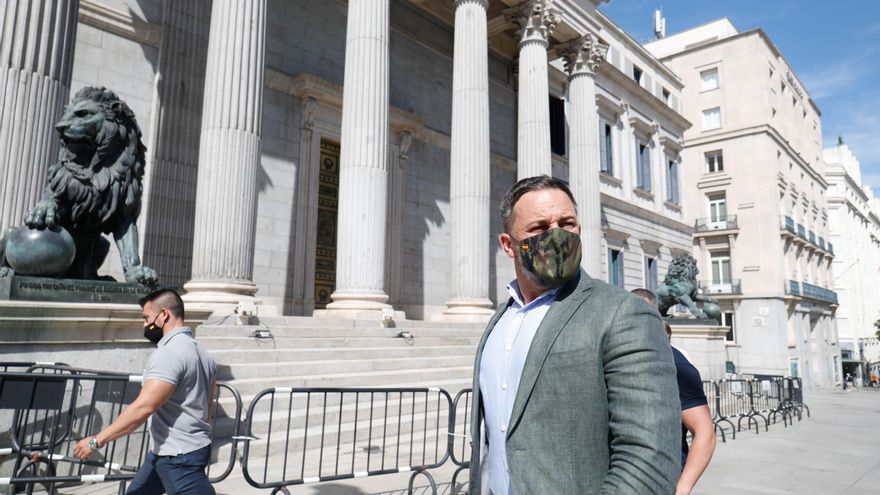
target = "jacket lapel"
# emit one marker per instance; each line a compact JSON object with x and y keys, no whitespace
{"x":567,"y":301}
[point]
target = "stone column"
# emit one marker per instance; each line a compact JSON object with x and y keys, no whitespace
{"x":229,"y":154}
{"x":37,"y":38}
{"x":536,"y":20}
{"x":581,"y":60}
{"x":363,"y":166}
{"x":469,"y":169}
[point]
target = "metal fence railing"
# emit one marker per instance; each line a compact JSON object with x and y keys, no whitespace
{"x":49,"y":407}
{"x":293,"y":436}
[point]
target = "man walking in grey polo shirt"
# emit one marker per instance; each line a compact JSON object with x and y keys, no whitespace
{"x":176,"y":397}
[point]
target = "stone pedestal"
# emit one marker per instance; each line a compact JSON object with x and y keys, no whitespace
{"x":36,"y":58}
{"x":363,"y":167}
{"x":581,"y":60}
{"x":469,"y":169}
{"x":536,"y":20}
{"x":705,"y":344}
{"x":86,"y":335}
{"x":229,"y":154}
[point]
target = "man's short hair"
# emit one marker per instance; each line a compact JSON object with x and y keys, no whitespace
{"x":164,"y":299}
{"x":647,"y":295}
{"x":529,"y":184}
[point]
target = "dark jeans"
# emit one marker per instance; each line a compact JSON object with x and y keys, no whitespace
{"x":173,"y":474}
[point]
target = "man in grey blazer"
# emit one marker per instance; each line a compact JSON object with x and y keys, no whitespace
{"x":574,"y":383}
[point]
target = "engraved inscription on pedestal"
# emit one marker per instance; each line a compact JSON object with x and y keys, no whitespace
{"x":69,"y":290}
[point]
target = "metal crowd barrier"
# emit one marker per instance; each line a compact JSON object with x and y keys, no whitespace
{"x":356,"y":432}
{"x":51,"y":407}
{"x":292,"y":436}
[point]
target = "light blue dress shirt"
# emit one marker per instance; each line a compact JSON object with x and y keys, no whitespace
{"x":500,"y":369}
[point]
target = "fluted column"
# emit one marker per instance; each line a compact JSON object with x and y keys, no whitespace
{"x":36,"y":56}
{"x":363,"y":166}
{"x":469,"y":168}
{"x":167,"y":212}
{"x":229,"y":153}
{"x":536,"y":20}
{"x":581,"y":60}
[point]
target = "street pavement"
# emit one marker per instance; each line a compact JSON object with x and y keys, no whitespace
{"x":834,"y":452}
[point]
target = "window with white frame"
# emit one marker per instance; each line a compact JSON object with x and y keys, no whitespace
{"x":709,"y":79}
{"x":714,"y":162}
{"x":615,"y":267}
{"x":650,"y":273}
{"x":643,"y":165}
{"x":672,"y":194}
{"x":606,"y":147}
{"x":719,"y":261}
{"x":712,"y":119}
{"x":717,"y":210}
{"x":727,"y":321}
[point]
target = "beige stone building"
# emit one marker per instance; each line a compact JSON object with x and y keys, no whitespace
{"x":756,"y":197}
{"x":292,"y":163}
{"x":854,"y":228}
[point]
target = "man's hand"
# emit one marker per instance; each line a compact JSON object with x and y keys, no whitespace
{"x":81,"y":450}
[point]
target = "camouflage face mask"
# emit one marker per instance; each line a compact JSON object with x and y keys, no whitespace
{"x":554,"y":257}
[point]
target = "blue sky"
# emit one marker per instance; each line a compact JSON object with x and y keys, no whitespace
{"x":834,"y":48}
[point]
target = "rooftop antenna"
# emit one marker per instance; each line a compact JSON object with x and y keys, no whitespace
{"x":659,"y":24}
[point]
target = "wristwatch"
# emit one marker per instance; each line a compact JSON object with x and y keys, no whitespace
{"x":93,"y":443}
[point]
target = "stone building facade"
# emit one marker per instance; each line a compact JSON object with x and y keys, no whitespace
{"x":756,"y":197}
{"x":263,"y":186}
{"x":854,"y":228}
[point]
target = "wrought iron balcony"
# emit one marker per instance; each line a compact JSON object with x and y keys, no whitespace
{"x":788,"y":224}
{"x":821,"y":242}
{"x":812,"y":237}
{"x":793,"y":288}
{"x":717,"y":223}
{"x":801,"y":232}
{"x":830,"y":247}
{"x":819,"y":293}
{"x":732,"y":286}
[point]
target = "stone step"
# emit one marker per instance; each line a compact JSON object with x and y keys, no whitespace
{"x":306,"y":368}
{"x":308,"y":322}
{"x":326,"y":332}
{"x":235,"y":356}
{"x":216,"y":343}
{"x":384,"y":378}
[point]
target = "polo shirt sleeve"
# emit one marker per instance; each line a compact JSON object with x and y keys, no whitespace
{"x":690,"y":385}
{"x":164,"y":365}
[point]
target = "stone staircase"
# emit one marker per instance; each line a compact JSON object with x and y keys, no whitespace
{"x":307,"y":352}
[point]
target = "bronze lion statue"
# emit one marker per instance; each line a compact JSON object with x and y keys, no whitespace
{"x":95,"y":187}
{"x":680,"y":287}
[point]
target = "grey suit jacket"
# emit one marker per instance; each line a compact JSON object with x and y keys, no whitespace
{"x":597,"y":409}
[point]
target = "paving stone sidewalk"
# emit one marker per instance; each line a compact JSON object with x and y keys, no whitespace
{"x":835,"y":452}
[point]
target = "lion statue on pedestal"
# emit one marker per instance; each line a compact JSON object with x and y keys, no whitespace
{"x":680,"y":287}
{"x":95,"y":187}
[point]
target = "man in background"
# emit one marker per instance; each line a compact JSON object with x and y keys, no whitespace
{"x":695,"y":415}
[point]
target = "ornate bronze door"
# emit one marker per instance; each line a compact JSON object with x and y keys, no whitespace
{"x":328,"y":205}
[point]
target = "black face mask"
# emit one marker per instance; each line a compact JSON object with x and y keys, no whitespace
{"x":153,"y":332}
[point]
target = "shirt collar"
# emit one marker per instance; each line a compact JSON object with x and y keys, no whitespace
{"x":514,"y":291}
{"x":170,"y":335}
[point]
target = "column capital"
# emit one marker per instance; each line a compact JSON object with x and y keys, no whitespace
{"x":482,"y":3}
{"x":536,"y":20}
{"x":582,"y":56}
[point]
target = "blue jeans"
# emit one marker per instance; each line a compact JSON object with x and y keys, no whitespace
{"x":173,"y":474}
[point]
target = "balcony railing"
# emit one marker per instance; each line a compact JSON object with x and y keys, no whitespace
{"x":830,"y":247}
{"x":822,"y":242}
{"x":793,"y":288}
{"x":819,"y":293}
{"x":801,"y":231}
{"x":732,"y":286}
{"x":812,"y":237}
{"x":789,"y":224}
{"x":717,"y":223}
